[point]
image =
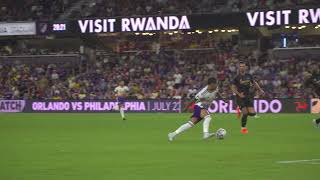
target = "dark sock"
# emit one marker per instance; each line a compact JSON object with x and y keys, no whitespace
{"x":244,"y":120}
{"x":318,"y":121}
{"x":251,"y":114}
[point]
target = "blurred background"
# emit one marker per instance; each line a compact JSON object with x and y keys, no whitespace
{"x":45,"y":56}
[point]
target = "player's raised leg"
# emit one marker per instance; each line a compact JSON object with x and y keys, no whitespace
{"x":195,"y":118}
{"x":198,"y":115}
{"x":182,"y":128}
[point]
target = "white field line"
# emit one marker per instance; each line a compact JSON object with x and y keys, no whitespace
{"x":312,"y":163}
{"x":305,"y":161}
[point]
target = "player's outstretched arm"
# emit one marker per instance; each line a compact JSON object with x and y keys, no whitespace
{"x":257,"y":86}
{"x":235,"y":91}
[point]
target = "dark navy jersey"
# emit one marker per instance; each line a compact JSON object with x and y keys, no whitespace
{"x":314,"y":83}
{"x":244,"y":84}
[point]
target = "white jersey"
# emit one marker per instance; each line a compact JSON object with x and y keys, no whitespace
{"x":121,"y":91}
{"x":204,"y":98}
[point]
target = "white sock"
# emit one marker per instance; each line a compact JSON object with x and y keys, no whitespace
{"x":122,"y":112}
{"x":206,"y":124}
{"x":184,"y":127}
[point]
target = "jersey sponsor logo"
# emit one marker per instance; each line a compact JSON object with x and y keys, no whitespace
{"x":244,"y":81}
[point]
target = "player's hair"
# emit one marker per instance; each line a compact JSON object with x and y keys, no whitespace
{"x":242,"y":62}
{"x":212,"y":80}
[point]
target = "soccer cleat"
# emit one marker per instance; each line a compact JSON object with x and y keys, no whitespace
{"x":171,"y":136}
{"x":256,"y":116}
{"x":124,"y":119}
{"x":244,"y":131}
{"x":316,"y":124}
{"x":208,"y":135}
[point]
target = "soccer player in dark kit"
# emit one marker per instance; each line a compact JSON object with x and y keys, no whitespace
{"x":312,"y":80}
{"x":241,"y":86}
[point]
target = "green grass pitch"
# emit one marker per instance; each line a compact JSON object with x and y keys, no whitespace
{"x":103,"y":147}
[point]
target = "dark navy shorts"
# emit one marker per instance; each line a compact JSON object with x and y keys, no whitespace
{"x":120,"y":100}
{"x":245,"y":102}
{"x":197,"y":112}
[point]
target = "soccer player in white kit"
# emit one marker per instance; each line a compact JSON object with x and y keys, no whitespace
{"x":203,"y":100}
{"x":121,"y":93}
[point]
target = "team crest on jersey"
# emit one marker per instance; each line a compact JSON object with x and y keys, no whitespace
{"x":245,"y":81}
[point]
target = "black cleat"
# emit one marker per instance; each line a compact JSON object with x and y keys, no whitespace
{"x":316,"y":124}
{"x":124,"y":119}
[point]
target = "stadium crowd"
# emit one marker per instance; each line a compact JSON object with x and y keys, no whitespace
{"x":153,"y":7}
{"x":24,"y":47}
{"x":29,"y":10}
{"x":15,"y":10}
{"x":167,"y":74}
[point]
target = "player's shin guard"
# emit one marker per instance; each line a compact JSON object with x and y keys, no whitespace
{"x":244,"y":120}
{"x":206,"y":124}
{"x":122,"y":112}
{"x":184,"y":127}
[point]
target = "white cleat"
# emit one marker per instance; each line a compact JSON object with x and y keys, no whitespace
{"x":315,"y":123}
{"x":171,"y":136}
{"x":208,"y":135}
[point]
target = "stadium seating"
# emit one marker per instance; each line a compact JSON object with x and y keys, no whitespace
{"x":151,"y":74}
{"x":30,"y":10}
{"x":13,"y":10}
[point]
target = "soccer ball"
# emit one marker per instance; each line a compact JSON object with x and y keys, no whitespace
{"x":221,"y":133}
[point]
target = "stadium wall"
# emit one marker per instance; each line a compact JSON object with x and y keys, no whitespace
{"x":106,"y":106}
